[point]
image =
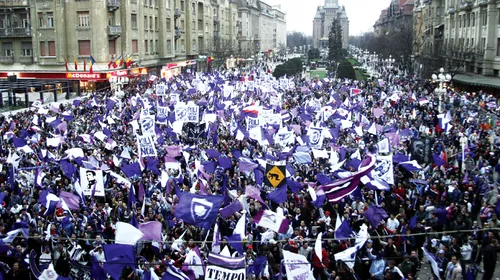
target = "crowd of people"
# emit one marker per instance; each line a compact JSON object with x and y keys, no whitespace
{"x":441,"y":212}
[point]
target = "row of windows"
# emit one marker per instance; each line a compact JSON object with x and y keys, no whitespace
{"x":8,"y":49}
{"x":48,"y":48}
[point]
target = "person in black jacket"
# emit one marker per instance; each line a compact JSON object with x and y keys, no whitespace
{"x":490,"y":259}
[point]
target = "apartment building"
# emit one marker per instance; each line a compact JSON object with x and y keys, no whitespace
{"x":261,"y":27}
{"x":463,"y":36}
{"x":49,"y":39}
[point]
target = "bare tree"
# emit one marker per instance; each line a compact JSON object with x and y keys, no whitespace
{"x":222,"y":49}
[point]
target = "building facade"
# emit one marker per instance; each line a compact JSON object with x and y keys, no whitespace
{"x":261,"y":27}
{"x":399,"y":13}
{"x":323,"y":20}
{"x":68,"y":36}
{"x":460,"y":35}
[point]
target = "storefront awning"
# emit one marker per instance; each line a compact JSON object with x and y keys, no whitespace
{"x":477,"y":80}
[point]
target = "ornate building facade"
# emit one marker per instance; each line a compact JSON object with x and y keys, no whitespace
{"x":323,"y":20}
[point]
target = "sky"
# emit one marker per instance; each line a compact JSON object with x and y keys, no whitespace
{"x":300,"y":13}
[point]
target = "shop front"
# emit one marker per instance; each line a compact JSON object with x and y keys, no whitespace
{"x":173,"y":69}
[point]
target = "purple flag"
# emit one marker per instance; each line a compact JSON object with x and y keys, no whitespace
{"x":131,"y":197}
{"x":374,"y":215}
{"x":212,"y":153}
{"x":398,"y":157}
{"x":254,"y":193}
{"x":225,"y":162}
{"x":246,"y":164}
{"x":118,"y":256}
{"x":198,"y":210}
{"x":279,"y":195}
{"x":152,"y":165}
{"x":131,"y":170}
{"x":151,"y":231}
{"x":68,"y":169}
{"x":18,"y":142}
{"x":72,"y":200}
{"x":232,"y":208}
{"x":344,"y":231}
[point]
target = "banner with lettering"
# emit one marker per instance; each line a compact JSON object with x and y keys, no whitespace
{"x":252,"y":122}
{"x":162,"y":114}
{"x":146,"y":146}
{"x":222,"y":267}
{"x":296,"y":266}
{"x":187,"y":113}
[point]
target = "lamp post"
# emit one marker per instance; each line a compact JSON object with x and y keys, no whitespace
{"x":390,"y":61}
{"x":441,"y":91}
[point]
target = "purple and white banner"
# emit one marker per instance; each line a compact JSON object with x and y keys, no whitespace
{"x":297,"y":266}
{"x":222,"y":267}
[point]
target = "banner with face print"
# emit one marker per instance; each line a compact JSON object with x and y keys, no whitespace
{"x":315,"y":137}
{"x":91,"y":182}
{"x":187,"y":113}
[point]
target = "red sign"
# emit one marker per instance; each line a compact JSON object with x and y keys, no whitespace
{"x":83,"y":75}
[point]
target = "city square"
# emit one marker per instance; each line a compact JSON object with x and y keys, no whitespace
{"x":249,"y":139}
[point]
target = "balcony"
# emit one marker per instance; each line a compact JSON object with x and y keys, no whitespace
{"x":114,"y":31}
{"x":178,"y":33}
{"x":451,"y":10}
{"x":14,"y":4}
{"x":6,"y":60}
{"x":114,"y":5}
{"x":216,"y":20}
{"x":177,"y":13}
{"x":482,"y":3}
{"x":26,"y":60}
{"x":466,"y":6}
{"x":15,"y":32}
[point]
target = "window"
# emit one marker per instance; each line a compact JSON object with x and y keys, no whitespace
{"x":193,"y":25}
{"x":473,"y":19}
{"x":52,"y":48}
{"x":50,"y":20}
{"x":169,"y":24}
{"x":41,"y":20}
{"x":145,"y":22}
{"x":183,"y":46}
{"x":200,"y":44}
{"x":193,"y":44}
{"x":182,"y":24}
{"x":42,"y":49}
{"x":111,"y":18}
{"x":133,"y":22}
{"x":150,"y":23}
{"x":169,"y":46}
{"x":182,"y":5}
{"x":134,"y":46}
{"x":112,"y":47}
{"x":498,"y":46}
{"x":499,"y":16}
{"x":26,"y":49}
{"x":157,"y":46}
{"x":193,"y":7}
{"x":7,"y":49}
{"x":26,"y":20}
{"x":83,"y":47}
{"x":146,"y":50}
{"x":167,"y":4}
{"x":156,"y":24}
{"x":484,"y":17}
{"x":151,"y":49}
{"x":83,"y":19}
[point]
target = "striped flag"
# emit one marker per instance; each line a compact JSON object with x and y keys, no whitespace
{"x":173,"y":272}
{"x":339,"y":189}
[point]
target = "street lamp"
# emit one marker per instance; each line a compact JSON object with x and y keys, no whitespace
{"x":441,"y":91}
{"x":389,"y":61}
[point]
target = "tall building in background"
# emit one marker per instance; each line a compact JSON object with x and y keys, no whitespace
{"x":261,"y":27}
{"x":323,"y":20}
{"x":47,"y":38}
